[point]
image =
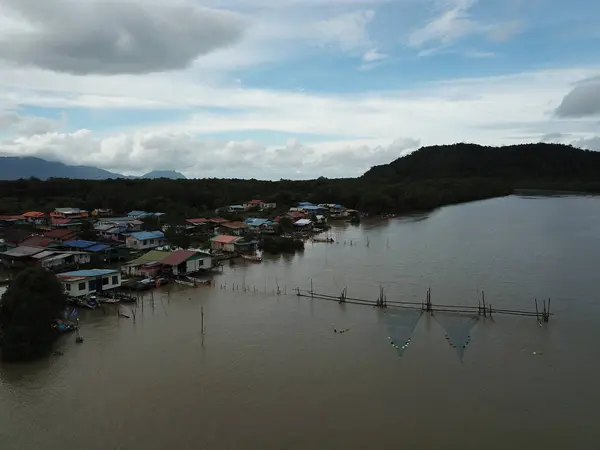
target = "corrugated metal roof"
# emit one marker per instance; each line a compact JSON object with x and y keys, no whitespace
{"x":22,"y":251}
{"x":151,"y":256}
{"x":145,"y":235}
{"x":37,"y":241}
{"x":79,"y":244}
{"x":87,"y":273}
{"x":303,"y":222}
{"x":44,"y":254}
{"x":97,"y":248}
{"x":235,"y":225}
{"x":225,"y":239}
{"x":176,"y":258}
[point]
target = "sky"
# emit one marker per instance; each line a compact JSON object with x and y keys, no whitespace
{"x":291,"y":89}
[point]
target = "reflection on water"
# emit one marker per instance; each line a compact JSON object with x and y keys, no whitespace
{"x":271,"y":373}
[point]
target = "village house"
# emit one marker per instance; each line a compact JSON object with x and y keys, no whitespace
{"x":34,"y":216}
{"x":268,"y":205}
{"x":235,"y":228}
{"x":259,"y":224}
{"x":102,"y":212}
{"x":53,"y":260}
{"x":140,"y":215}
{"x":185,"y":262}
{"x":83,"y":282}
{"x":303,"y":224}
{"x":232,"y":209}
{"x":252,"y":204}
{"x":224,"y":243}
{"x":69,"y":213}
{"x":61,"y":235}
{"x":39,"y":241}
{"x":147,"y":265}
{"x":20,"y":256}
{"x":142,"y":240}
{"x":7,"y":221}
{"x":14,"y":237}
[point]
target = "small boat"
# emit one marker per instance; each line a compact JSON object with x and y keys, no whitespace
{"x":320,"y":239}
{"x":253,"y":258}
{"x":194,"y":282}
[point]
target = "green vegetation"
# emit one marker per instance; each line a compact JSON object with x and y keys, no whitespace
{"x":276,"y":244}
{"x":31,"y":303}
{"x":426,"y":179}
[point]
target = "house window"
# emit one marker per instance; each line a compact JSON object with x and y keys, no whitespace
{"x":92,"y":285}
{"x":152,"y":241}
{"x":201,"y":262}
{"x":104,"y":281}
{"x":145,"y":243}
{"x":67,"y":287}
{"x":115,"y":279}
{"x":82,"y":286}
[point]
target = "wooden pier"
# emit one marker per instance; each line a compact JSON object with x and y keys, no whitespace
{"x":482,"y":309}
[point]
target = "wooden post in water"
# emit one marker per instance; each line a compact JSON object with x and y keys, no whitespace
{"x":483,"y":300}
{"x":537,"y":313}
{"x":202,"y":319}
{"x":311,"y":288}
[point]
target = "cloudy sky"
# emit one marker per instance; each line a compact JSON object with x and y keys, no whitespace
{"x":291,"y":88}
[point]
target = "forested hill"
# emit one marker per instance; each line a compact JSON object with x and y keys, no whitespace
{"x":428,"y":178}
{"x":549,"y":162}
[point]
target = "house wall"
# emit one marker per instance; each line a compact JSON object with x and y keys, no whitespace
{"x":132,"y":242}
{"x":200,"y":262}
{"x":80,"y":288}
{"x":224,"y":247}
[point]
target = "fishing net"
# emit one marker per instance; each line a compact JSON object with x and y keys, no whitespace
{"x":458,"y":329}
{"x":401,"y":325}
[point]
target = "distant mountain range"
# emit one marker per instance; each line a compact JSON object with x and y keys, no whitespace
{"x":14,"y":168}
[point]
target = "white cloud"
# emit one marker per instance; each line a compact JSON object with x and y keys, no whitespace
{"x":13,"y":123}
{"x":489,"y":110}
{"x":373,"y":55}
{"x":455,"y":22}
{"x":130,"y":36}
{"x":140,"y":152}
{"x":348,"y":31}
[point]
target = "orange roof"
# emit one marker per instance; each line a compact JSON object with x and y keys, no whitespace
{"x":255,"y":202}
{"x":217,"y":220}
{"x":197,"y":221}
{"x":235,"y":225}
{"x":33,"y":214}
{"x":225,"y":239}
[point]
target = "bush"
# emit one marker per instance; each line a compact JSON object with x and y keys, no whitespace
{"x":276,"y":244}
{"x":27,"y":310}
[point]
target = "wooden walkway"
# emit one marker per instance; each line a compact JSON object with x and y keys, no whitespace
{"x":482,"y":309}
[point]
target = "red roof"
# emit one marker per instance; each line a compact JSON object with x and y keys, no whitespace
{"x":255,"y":202}
{"x":235,"y":225}
{"x":12,"y":217}
{"x":218,"y":220}
{"x":197,"y":221}
{"x":296,"y":215}
{"x":176,"y":258}
{"x":36,"y":241}
{"x":56,"y":221}
{"x":225,"y":239}
{"x":33,"y":214}
{"x":60,"y":234}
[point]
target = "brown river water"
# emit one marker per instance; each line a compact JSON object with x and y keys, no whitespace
{"x":270,"y":372}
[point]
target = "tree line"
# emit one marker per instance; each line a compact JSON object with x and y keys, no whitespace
{"x":428,"y":178}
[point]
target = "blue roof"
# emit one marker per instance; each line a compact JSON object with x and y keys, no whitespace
{"x":97,"y":248}
{"x":305,"y":204}
{"x":313,"y":208}
{"x":88,"y":273}
{"x":79,"y":244}
{"x":144,"y":235}
{"x":257,"y":222}
{"x":137,"y":213}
